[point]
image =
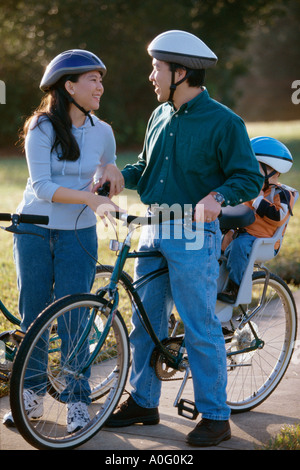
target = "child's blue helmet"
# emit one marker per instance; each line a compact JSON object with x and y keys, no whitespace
{"x":273,"y":153}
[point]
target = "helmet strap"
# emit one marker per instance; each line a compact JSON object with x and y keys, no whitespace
{"x":175,"y":85}
{"x":71,"y":100}
{"x":267,"y":175}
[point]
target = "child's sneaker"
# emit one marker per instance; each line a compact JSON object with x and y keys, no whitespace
{"x":33,"y":405}
{"x":78,"y":416}
{"x":229,"y":295}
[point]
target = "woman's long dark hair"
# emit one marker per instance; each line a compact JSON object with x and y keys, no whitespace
{"x":55,"y":106}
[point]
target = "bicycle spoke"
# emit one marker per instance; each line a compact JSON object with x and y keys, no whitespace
{"x":252,"y":376}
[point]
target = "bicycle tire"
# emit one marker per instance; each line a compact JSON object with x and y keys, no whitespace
{"x":253,"y":376}
{"x":103,"y":274}
{"x":109,"y":372}
{"x":102,"y":277}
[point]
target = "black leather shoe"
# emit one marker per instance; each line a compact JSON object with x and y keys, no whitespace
{"x":208,"y":433}
{"x":130,"y":412}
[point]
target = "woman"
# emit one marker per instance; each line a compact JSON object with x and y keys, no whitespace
{"x":67,"y":148}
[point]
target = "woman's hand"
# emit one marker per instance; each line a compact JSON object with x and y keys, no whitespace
{"x":103,"y":206}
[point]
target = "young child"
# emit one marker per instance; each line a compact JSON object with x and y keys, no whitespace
{"x":272,"y":208}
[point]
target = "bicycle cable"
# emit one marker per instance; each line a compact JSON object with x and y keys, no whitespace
{"x":79,"y":241}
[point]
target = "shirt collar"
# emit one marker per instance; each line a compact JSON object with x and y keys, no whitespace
{"x":194,"y":104}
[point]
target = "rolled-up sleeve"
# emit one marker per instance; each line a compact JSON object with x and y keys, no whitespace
{"x":243,"y":180}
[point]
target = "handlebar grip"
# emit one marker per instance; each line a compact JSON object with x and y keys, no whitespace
{"x":104,"y":190}
{"x":25,"y":218}
{"x":5,"y":216}
{"x":34,"y":219}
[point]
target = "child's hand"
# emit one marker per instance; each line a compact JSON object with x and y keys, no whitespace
{"x":227,"y":239}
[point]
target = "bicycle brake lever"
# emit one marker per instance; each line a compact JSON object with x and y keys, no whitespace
{"x":13,"y":229}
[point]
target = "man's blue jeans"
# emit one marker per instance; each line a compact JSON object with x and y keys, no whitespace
{"x":49,"y":268}
{"x":192,"y":284}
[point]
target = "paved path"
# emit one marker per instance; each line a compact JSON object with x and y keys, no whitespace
{"x":249,"y":430}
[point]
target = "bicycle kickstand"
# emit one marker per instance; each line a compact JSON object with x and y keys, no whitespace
{"x":186,"y":408}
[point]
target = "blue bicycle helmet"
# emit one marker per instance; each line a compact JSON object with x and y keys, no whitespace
{"x":272,"y":152}
{"x":70,"y":62}
{"x":74,"y":61}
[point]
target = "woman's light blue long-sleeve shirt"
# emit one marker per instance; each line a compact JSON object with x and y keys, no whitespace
{"x":47,"y":172}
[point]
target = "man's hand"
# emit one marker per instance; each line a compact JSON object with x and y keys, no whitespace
{"x":207,"y":209}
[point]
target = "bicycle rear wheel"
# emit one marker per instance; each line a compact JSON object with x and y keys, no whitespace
{"x":66,"y":334}
{"x":254,"y":375}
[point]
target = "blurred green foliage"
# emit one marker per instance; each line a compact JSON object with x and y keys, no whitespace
{"x":33,"y":32}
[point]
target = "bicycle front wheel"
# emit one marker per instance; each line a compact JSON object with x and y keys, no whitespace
{"x":254,"y":374}
{"x":58,"y":348}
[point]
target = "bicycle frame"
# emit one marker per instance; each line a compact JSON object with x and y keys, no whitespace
{"x":8,"y":315}
{"x":111,"y":289}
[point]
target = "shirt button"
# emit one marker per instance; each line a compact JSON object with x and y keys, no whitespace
{"x":167,"y":158}
{"x":161,"y":181}
{"x":186,"y":111}
{"x":171,"y":134}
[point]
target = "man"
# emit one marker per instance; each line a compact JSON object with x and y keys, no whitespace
{"x":196,"y":153}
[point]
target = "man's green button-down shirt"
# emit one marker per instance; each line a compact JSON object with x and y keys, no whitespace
{"x":189,"y":152}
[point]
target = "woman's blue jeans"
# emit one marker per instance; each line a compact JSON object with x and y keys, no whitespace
{"x":49,"y":268}
{"x":192,"y":284}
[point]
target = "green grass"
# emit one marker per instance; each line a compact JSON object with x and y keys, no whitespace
{"x":287,"y":439}
{"x":13,"y":176}
{"x":287,"y":263}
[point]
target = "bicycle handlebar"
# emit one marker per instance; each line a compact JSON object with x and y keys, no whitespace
{"x":230,"y":217}
{"x":148,"y":220}
{"x":24,"y":218}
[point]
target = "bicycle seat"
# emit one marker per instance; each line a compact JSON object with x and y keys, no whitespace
{"x":236,"y":217}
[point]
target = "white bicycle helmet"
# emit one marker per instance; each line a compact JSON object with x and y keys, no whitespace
{"x":182,"y":48}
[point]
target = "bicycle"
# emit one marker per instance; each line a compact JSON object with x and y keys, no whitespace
{"x":10,"y":340}
{"x":260,"y":331}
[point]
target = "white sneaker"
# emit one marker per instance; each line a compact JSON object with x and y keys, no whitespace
{"x":78,"y":416}
{"x":33,"y":406}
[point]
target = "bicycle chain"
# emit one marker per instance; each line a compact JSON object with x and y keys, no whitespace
{"x":159,"y":362}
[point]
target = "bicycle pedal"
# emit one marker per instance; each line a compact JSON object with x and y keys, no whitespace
{"x":4,"y":375}
{"x":187,"y":409}
{"x":17,"y":335}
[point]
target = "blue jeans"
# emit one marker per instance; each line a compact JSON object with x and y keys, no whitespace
{"x":237,"y":254}
{"x":191,"y":284}
{"x":49,"y":268}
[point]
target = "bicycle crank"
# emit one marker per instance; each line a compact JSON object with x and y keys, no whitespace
{"x":161,"y":364}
